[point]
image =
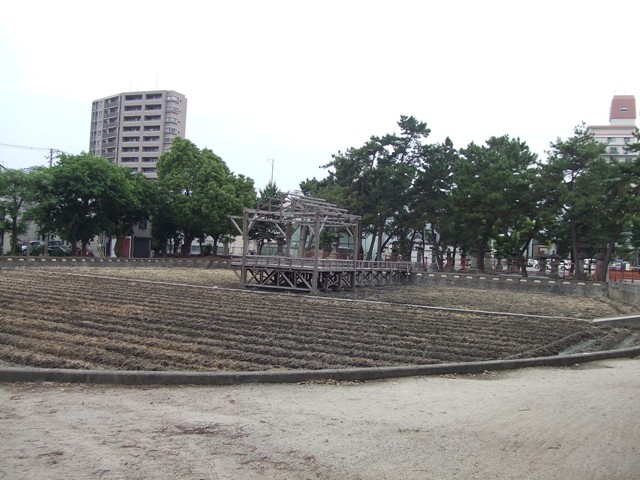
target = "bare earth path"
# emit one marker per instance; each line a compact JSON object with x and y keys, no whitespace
{"x":572,"y":423}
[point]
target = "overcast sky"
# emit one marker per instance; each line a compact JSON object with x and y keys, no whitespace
{"x":299,"y":81}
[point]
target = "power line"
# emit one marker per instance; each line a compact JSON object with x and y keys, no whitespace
{"x":24,"y":147}
{"x":53,"y":152}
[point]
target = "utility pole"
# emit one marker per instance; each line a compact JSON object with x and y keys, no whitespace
{"x":53,"y":154}
{"x":271,"y":161}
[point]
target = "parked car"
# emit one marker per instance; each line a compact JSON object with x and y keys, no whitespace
{"x":32,"y":245}
{"x":563,"y":265}
{"x":59,"y":250}
{"x":78,"y":252}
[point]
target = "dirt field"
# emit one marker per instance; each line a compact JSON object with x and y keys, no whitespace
{"x":580,"y":423}
{"x":197,"y":319}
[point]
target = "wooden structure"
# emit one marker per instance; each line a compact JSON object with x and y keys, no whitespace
{"x":291,"y":213}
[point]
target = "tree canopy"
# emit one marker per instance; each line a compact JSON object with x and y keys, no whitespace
{"x":83,"y":195}
{"x":494,"y":197}
{"x":18,"y":195}
{"x":198,"y":193}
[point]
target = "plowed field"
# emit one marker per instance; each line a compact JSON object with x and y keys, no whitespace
{"x":196,"y":319}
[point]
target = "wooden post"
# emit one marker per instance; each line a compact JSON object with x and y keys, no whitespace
{"x":316,"y":239}
{"x":356,"y":249}
{"x":245,"y":246}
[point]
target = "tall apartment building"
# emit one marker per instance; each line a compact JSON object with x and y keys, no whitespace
{"x":133,"y":129}
{"x":619,"y":132}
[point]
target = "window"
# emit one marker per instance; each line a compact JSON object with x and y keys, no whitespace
{"x":131,"y":118}
{"x":150,"y":159}
{"x":624,"y":109}
{"x":173,"y":110}
{"x":171,"y":130}
{"x":148,"y":170}
{"x":155,"y":106}
{"x":153,"y":96}
{"x":148,"y":118}
{"x":610,"y":139}
{"x":171,"y":120}
{"x":613,"y":150}
{"x":151,"y":139}
{"x":129,"y":160}
{"x":131,"y":129}
{"x":130,"y":139}
{"x":152,"y":128}
{"x":150,"y":149}
{"x":134,"y":169}
{"x":627,"y":139}
{"x":132,"y":97}
{"x":132,"y":108}
{"x":142,"y":225}
{"x":173,"y":98}
{"x":130,"y":149}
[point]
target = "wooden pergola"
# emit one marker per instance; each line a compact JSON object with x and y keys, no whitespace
{"x":290,"y":212}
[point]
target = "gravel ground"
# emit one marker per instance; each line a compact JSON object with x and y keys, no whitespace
{"x":568,"y":423}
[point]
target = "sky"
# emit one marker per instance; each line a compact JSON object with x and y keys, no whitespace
{"x":287,"y":84}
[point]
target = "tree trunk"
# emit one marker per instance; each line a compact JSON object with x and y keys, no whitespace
{"x":303,"y":240}
{"x":481,"y":251}
{"x":602,"y":273}
{"x":186,"y":245}
{"x":370,"y":251}
{"x":119,"y":240}
{"x":574,"y":250}
{"x":14,"y":236}
{"x":379,"y":248}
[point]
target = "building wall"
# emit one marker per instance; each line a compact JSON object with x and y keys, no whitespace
{"x":133,"y":129}
{"x":619,"y":132}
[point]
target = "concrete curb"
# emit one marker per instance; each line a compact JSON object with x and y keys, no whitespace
{"x":110,"y":377}
{"x":630,"y":321}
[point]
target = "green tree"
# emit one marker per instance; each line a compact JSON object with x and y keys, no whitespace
{"x":490,"y":183}
{"x":575,"y":190}
{"x":374,"y":181}
{"x":79,"y":197}
{"x":136,"y":201}
{"x":17,"y":197}
{"x":199,"y":193}
{"x":264,"y":232}
{"x":430,"y":201}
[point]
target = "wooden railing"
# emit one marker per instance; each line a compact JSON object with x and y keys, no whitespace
{"x":267,"y":261}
